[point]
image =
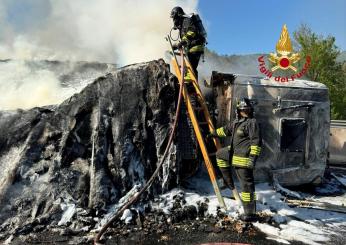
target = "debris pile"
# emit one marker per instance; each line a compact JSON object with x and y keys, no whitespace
{"x":64,"y":165}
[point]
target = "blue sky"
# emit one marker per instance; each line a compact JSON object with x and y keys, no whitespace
{"x":254,"y":26}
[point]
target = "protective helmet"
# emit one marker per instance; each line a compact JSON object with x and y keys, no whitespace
{"x":244,"y":104}
{"x":177,"y":12}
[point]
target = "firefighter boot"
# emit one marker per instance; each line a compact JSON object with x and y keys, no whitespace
{"x":249,"y":211}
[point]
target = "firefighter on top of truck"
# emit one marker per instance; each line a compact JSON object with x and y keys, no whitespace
{"x":243,"y":151}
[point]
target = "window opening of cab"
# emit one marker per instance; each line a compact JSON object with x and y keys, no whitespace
{"x":292,"y":135}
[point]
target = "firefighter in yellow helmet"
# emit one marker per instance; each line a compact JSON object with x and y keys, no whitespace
{"x":244,"y":150}
{"x":192,"y":35}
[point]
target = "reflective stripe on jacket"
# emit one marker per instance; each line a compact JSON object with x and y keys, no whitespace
{"x":246,"y":140}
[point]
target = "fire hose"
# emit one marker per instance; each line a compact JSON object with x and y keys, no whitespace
{"x":154,"y":175}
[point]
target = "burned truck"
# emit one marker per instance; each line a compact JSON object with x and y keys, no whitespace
{"x":294,"y":118}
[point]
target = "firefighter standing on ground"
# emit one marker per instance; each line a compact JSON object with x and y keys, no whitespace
{"x":244,"y":150}
{"x":192,"y":35}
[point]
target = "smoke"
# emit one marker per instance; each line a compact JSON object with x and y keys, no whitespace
{"x":110,"y":31}
{"x":105,"y":30}
{"x":21,"y":87}
{"x":235,"y":64}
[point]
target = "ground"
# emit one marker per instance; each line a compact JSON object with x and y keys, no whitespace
{"x":193,"y":232}
{"x":190,"y":215}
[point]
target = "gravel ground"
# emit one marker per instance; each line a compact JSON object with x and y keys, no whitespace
{"x":207,"y":230}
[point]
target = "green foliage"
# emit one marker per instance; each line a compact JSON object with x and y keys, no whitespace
{"x":324,"y":67}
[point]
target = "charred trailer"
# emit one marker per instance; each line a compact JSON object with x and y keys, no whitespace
{"x":294,"y":118}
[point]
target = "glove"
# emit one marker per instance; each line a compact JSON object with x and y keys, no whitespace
{"x":178,"y":45}
{"x":175,"y":46}
{"x":252,"y":162}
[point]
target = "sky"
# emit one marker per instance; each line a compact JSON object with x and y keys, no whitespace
{"x":252,"y":26}
{"x":107,"y":31}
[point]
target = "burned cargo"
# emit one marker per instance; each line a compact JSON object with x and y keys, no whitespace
{"x":294,"y":118}
{"x":65,"y":161}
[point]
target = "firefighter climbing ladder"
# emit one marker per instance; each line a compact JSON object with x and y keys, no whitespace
{"x":197,"y":124}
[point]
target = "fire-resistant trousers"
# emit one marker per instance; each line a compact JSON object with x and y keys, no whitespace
{"x":245,"y":177}
{"x":247,"y":186}
{"x":222,"y":161}
{"x":194,"y":60}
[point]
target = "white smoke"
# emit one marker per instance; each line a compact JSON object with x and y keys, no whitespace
{"x":104,"y":30}
{"x":111,"y":31}
{"x":22,"y":87}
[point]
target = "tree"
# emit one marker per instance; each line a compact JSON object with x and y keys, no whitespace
{"x":324,"y":67}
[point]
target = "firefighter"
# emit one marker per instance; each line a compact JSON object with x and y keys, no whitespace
{"x":192,"y":35}
{"x":244,"y":150}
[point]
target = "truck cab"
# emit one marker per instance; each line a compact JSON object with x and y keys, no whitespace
{"x":294,"y":118}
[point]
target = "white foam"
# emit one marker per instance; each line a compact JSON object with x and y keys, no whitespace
{"x":69,"y":210}
{"x":309,"y":226}
{"x":127,"y":216}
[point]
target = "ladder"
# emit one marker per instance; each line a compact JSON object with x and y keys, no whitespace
{"x":197,"y":123}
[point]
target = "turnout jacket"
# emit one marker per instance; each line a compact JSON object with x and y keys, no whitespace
{"x":245,"y":140}
{"x":190,"y":35}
